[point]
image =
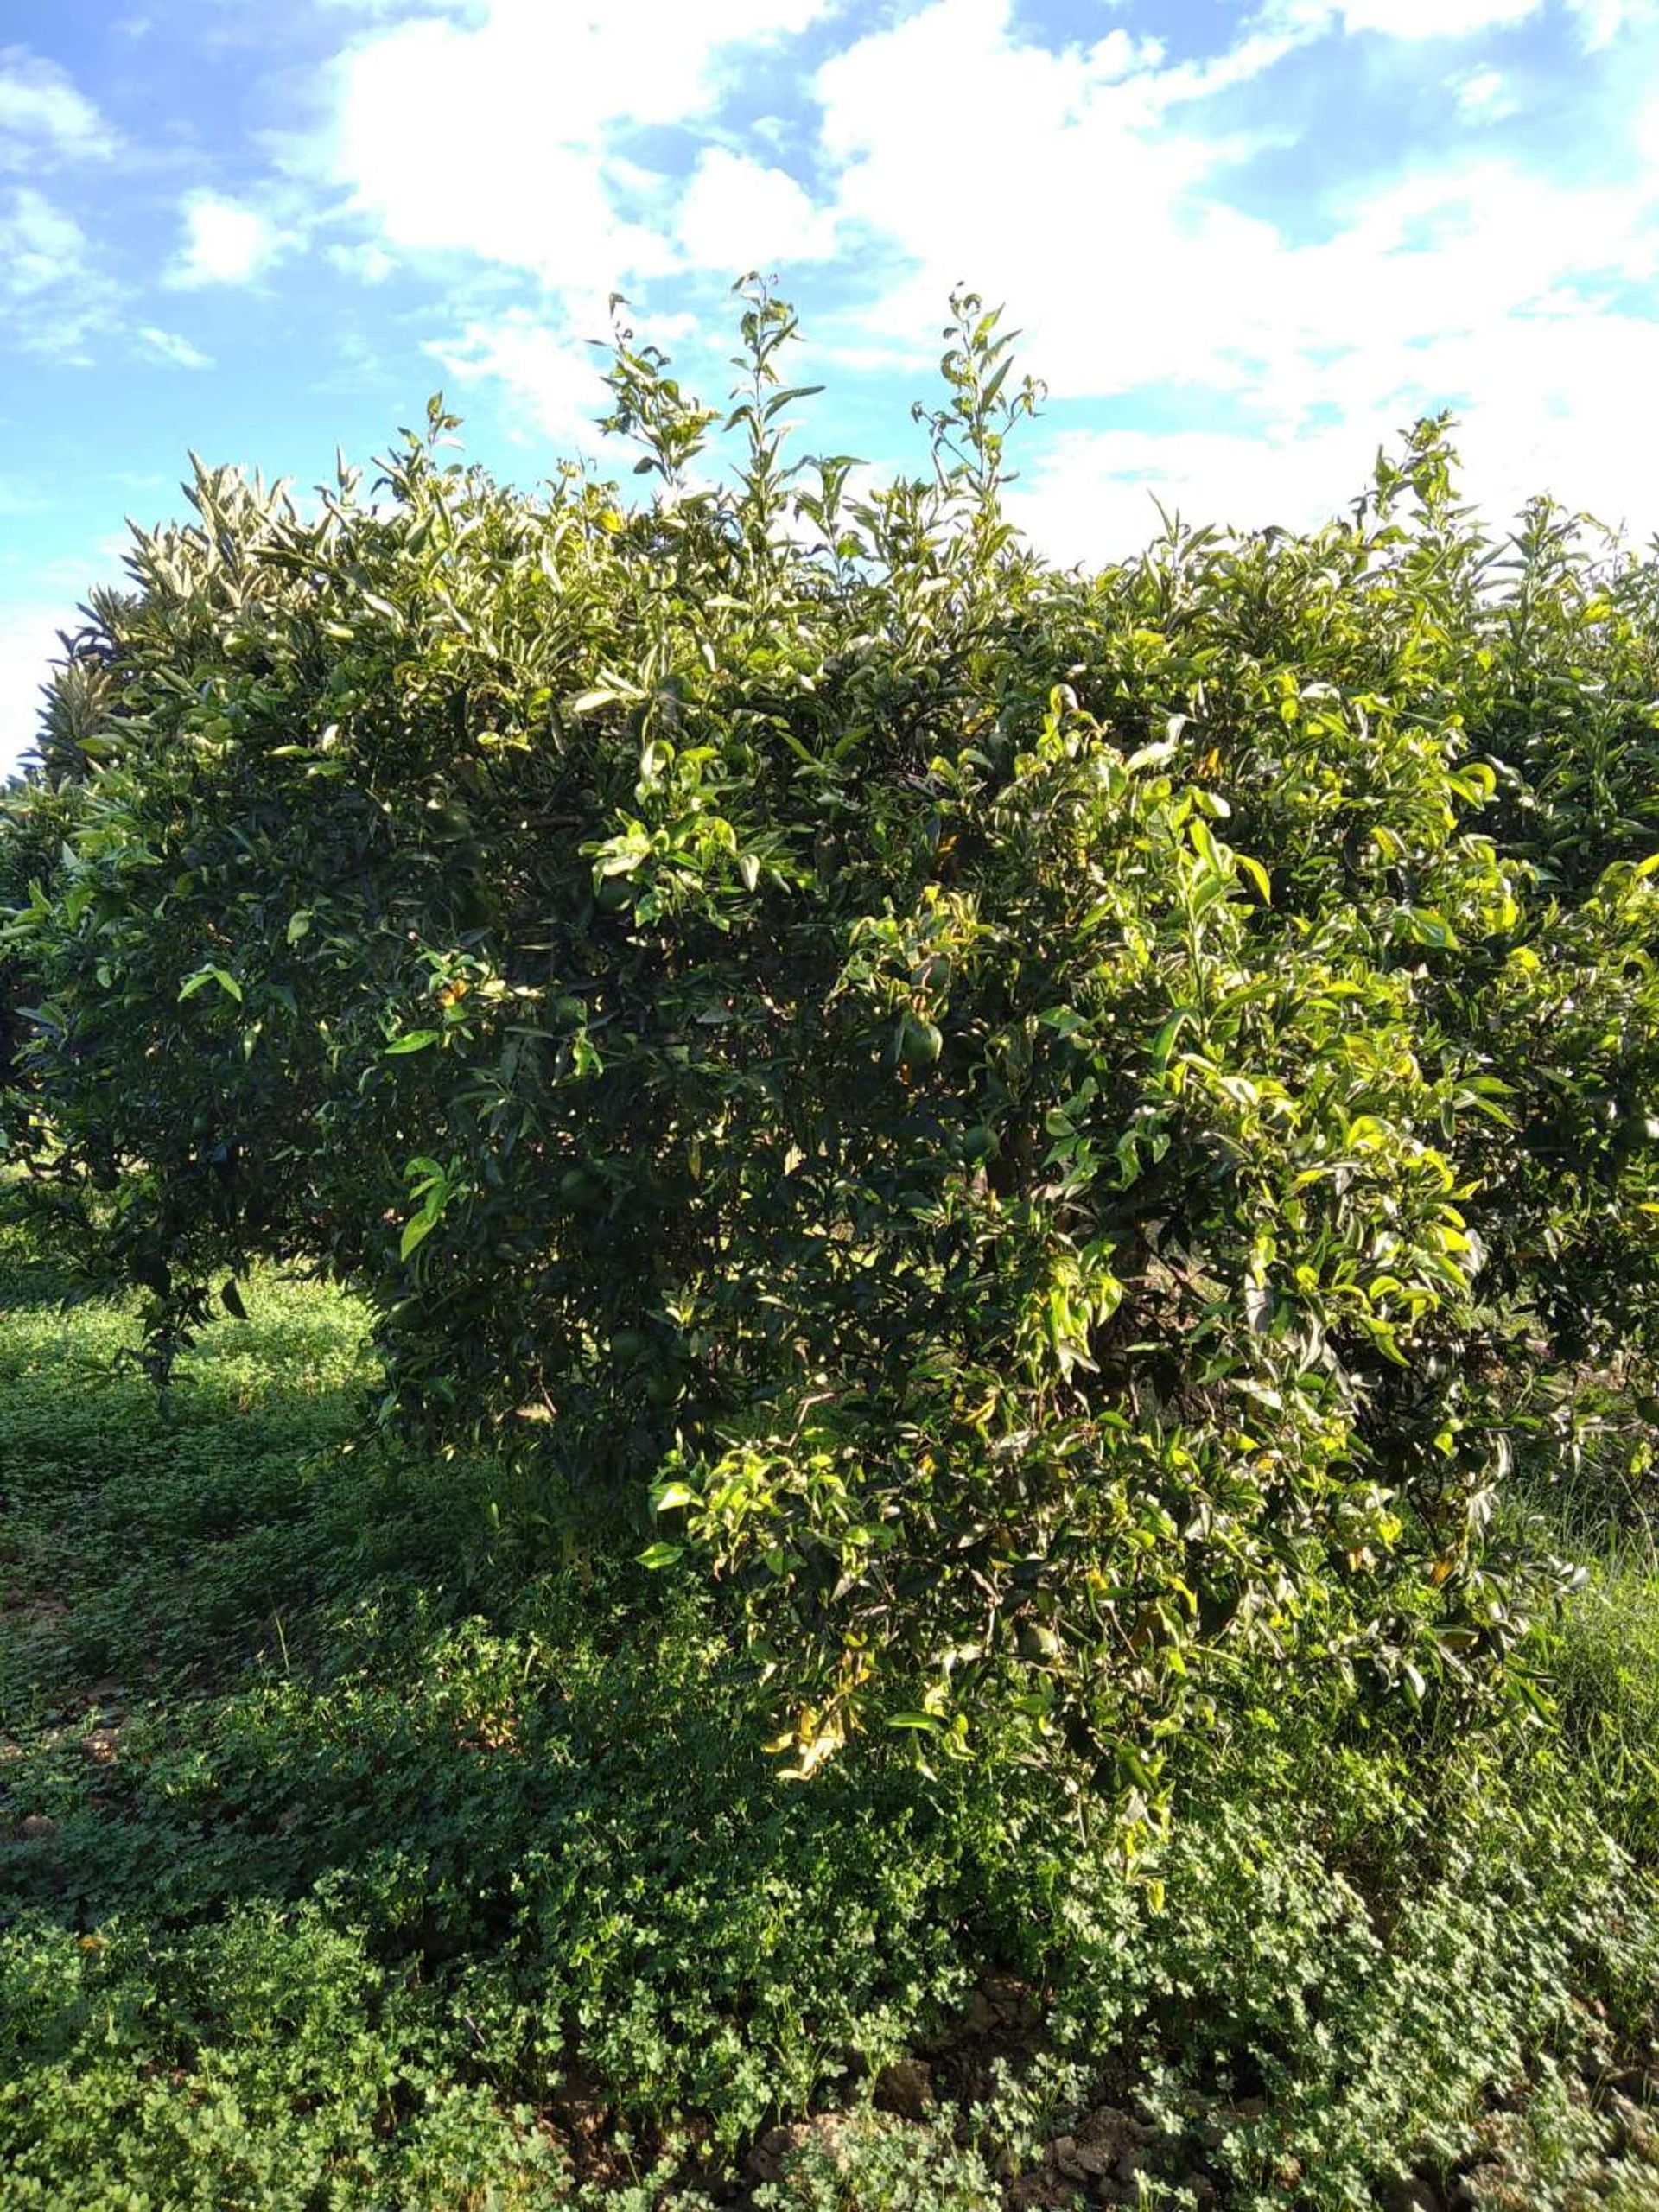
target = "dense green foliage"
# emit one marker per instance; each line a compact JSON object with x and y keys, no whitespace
{"x":1057,"y":1127}
{"x":347,"y":1861}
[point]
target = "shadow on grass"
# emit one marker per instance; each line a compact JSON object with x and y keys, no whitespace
{"x":31,"y":1280}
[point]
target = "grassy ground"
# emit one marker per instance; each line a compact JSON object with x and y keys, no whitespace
{"x":353,"y":1854}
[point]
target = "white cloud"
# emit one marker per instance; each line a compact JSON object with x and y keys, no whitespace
{"x":1600,"y":21}
{"x":369,"y":262}
{"x":1414,"y":19}
{"x":497,"y":137}
{"x":553,"y":381}
{"x":55,"y":297}
{"x":226,"y":243}
{"x":1140,"y":262}
{"x":44,"y":117}
{"x":168,"y":346}
{"x":44,"y":243}
{"x":1090,"y":496}
{"x":510,"y":187}
{"x":739,"y":215}
{"x":1482,"y":96}
{"x":1469,"y":283}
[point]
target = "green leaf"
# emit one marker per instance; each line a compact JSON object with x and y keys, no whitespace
{"x":203,"y":976}
{"x":1204,"y":843}
{"x":779,"y":400}
{"x":416,"y":1232}
{"x":1425,"y":926}
{"x":1257,"y":874}
{"x":412,"y":1040}
{"x":659,"y":1555}
{"x":1163,"y":1043}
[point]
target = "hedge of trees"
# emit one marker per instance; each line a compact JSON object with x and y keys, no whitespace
{"x":1051,"y":1133}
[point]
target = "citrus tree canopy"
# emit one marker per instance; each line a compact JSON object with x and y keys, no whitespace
{"x":1048,"y":1131}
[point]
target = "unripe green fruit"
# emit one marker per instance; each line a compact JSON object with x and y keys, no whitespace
{"x":922,"y":1043}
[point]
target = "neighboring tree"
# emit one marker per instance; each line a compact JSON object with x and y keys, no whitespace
{"x":36,"y":806}
{"x":1050,"y":1128}
{"x":14,"y":891}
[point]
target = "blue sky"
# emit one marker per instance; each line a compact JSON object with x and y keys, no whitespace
{"x":1244,"y":244}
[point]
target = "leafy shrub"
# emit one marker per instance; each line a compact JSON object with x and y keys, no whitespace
{"x":28,"y":853}
{"x":1056,"y":1126}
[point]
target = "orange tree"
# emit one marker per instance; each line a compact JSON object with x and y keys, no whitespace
{"x":1048,"y":1131}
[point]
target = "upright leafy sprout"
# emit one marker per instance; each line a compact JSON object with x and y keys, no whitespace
{"x":1045,"y":1130}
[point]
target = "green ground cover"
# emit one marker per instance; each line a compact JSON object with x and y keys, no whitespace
{"x":364,"y":1844}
